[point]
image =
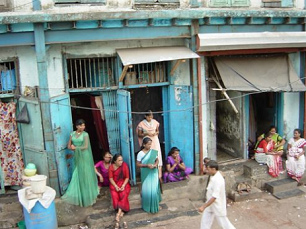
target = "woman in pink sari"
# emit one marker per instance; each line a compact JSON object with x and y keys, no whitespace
{"x":267,"y":154}
{"x":149,"y":127}
{"x":295,"y":158}
{"x":101,"y":169}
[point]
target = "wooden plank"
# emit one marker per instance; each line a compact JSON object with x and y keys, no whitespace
{"x":123,"y":73}
{"x":178,"y":62}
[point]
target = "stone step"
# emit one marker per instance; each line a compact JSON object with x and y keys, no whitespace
{"x":136,"y":216}
{"x":255,"y":193}
{"x":281,"y":185}
{"x":252,"y":168}
{"x":289,"y":193}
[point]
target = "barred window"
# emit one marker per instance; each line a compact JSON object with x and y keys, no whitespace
{"x":92,"y":72}
{"x":146,"y":73}
{"x":9,"y":81}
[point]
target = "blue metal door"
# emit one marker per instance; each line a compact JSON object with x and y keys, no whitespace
{"x":126,"y":132}
{"x":31,"y":136}
{"x":62,"y":127}
{"x":109,"y":99}
{"x":181,"y":122}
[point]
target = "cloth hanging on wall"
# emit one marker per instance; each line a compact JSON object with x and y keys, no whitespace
{"x":10,"y":154}
{"x":100,"y":125}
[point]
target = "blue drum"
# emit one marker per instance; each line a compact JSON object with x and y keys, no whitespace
{"x":40,"y":217}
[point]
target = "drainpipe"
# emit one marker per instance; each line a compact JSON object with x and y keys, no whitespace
{"x":197,"y":125}
{"x":44,"y":97}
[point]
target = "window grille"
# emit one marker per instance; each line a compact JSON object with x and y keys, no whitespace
{"x":146,"y":73}
{"x":92,"y":73}
{"x":9,"y":81}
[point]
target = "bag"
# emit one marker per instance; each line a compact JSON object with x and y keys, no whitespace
{"x":23,"y":116}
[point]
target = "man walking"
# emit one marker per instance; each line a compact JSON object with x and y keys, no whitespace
{"x":215,"y":205}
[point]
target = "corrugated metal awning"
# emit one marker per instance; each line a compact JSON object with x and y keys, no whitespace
{"x":272,"y":73}
{"x":238,"y":41}
{"x":154,"y":54}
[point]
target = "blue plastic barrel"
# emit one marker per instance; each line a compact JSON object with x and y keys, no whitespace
{"x":40,"y":217}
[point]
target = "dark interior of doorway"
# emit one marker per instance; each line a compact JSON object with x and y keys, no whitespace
{"x":83,"y":100}
{"x":144,"y":99}
{"x":263,"y":107}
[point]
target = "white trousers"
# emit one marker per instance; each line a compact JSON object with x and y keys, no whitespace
{"x":208,"y":218}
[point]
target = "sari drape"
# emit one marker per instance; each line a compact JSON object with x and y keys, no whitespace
{"x":121,"y":198}
{"x":150,"y":191}
{"x":83,"y":188}
{"x":151,"y":128}
{"x":296,"y":167}
{"x":274,"y":162}
{"x":177,"y":174}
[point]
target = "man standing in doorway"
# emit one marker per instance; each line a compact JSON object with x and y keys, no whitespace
{"x":215,"y":205}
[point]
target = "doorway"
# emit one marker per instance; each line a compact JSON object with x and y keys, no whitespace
{"x":263,"y":113}
{"x":94,"y":119}
{"x":142,"y":100}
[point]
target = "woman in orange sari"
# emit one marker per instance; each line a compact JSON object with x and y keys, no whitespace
{"x":119,"y":187}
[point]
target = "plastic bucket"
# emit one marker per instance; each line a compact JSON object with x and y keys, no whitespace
{"x":39,"y":184}
{"x":40,"y":217}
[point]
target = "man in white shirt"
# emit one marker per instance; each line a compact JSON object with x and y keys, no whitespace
{"x":215,"y":205}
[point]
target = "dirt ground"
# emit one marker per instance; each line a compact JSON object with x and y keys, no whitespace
{"x":264,"y":213}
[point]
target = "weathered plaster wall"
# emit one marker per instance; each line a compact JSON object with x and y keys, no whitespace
{"x":55,"y":67}
{"x":229,"y":125}
{"x":55,"y":71}
{"x":292,"y":103}
{"x":27,"y":64}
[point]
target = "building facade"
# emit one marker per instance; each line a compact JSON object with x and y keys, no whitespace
{"x":110,"y":61}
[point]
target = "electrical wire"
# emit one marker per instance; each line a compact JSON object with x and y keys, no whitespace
{"x":168,"y":111}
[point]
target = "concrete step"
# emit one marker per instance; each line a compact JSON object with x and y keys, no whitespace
{"x":289,"y":193}
{"x":235,"y":166}
{"x":281,"y":185}
{"x":255,"y":193}
{"x":10,"y":210}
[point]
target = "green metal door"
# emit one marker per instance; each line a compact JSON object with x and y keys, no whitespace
{"x":31,"y":136}
{"x":62,"y":127}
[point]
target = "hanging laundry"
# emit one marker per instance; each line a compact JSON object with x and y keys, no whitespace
{"x":10,"y":154}
{"x":8,"y":80}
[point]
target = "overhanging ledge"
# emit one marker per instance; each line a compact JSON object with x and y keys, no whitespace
{"x":154,"y":54}
{"x":241,"y":41}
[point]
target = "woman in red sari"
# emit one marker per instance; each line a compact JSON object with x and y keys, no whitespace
{"x":119,"y":187}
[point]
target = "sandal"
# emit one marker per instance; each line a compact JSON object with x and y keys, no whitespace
{"x":117,"y":226}
{"x":125,"y":226}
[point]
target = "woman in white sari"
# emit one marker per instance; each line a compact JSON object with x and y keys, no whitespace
{"x":295,"y":157}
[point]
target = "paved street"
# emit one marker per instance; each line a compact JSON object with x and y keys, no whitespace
{"x":267,"y":212}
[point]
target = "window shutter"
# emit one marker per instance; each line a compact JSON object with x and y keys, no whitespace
{"x":287,"y":3}
{"x":240,"y":3}
{"x":220,"y":3}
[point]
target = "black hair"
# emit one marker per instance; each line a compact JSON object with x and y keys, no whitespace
{"x":299,"y":131}
{"x":206,"y":159}
{"x":148,"y":113}
{"x":106,"y":152}
{"x":145,"y":140}
{"x":172,"y":150}
{"x":268,"y":134}
{"x":79,"y":122}
{"x":273,"y":127}
{"x":115,"y":157}
{"x":213,"y":165}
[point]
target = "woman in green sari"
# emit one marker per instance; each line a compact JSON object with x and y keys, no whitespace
{"x":83,"y":189}
{"x":147,"y":160}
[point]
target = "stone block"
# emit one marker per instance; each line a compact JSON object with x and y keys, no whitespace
{"x":281,"y":185}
